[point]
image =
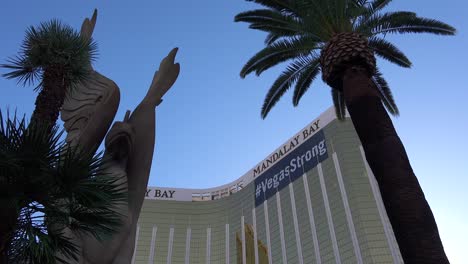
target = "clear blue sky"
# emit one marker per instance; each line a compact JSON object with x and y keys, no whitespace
{"x":209,"y":130}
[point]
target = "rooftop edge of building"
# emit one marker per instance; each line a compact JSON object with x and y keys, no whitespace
{"x":225,"y":190}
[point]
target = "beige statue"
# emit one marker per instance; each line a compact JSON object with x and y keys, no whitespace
{"x":88,"y":113}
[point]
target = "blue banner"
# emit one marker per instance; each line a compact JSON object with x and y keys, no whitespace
{"x":291,"y":167}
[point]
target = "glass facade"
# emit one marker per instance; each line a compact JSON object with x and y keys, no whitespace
{"x":313,"y":200}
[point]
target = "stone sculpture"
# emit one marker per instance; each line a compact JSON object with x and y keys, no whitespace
{"x":87,"y":114}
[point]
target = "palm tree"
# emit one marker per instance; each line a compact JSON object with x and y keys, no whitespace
{"x":59,"y":57}
{"x":49,"y":191}
{"x":340,"y":39}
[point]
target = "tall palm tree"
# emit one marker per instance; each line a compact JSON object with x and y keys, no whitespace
{"x":48,"y":191}
{"x":59,"y":57}
{"x":340,"y":39}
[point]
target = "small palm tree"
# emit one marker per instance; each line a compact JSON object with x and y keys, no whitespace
{"x":340,"y":39}
{"x":49,"y":191}
{"x":59,"y":57}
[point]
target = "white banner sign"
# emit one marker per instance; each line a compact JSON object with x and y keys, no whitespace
{"x":169,"y":194}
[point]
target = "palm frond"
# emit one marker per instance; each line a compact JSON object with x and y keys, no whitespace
{"x":404,"y":22}
{"x":54,"y":185}
{"x":339,"y":104}
{"x":388,"y":51}
{"x":272,"y":21}
{"x":385,"y":93}
{"x":32,"y":149}
{"x":278,"y":5}
{"x":22,"y":70}
{"x":363,"y":10}
{"x":374,"y":21}
{"x":276,"y":29}
{"x":315,"y":16}
{"x":39,"y":245}
{"x":278,"y":52}
{"x":417,"y":25}
{"x":265,"y":16}
{"x":90,"y":192}
{"x":372,"y":7}
{"x":337,"y":10}
{"x":306,"y":78}
{"x":283,"y":83}
{"x":356,"y":10}
{"x":271,"y":37}
{"x":378,"y":5}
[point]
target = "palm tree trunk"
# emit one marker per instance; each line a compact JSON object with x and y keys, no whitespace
{"x":7,"y":226}
{"x":51,"y":97}
{"x":411,"y":218}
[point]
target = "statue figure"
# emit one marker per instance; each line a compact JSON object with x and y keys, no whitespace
{"x":88,"y":110}
{"x":88,"y":113}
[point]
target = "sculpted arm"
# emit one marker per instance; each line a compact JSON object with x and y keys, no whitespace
{"x":143,"y":122}
{"x":90,"y":107}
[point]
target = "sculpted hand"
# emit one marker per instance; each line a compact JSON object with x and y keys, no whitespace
{"x":87,"y":28}
{"x":88,"y":25}
{"x":164,"y":77}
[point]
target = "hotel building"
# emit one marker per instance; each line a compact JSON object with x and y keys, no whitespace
{"x":312,"y":200}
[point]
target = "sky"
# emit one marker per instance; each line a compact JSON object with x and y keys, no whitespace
{"x":209,"y":130}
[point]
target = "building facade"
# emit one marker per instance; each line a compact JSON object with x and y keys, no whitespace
{"x":313,"y":200}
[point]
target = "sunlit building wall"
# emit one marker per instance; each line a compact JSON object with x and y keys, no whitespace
{"x":313,"y":200}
